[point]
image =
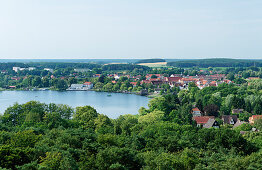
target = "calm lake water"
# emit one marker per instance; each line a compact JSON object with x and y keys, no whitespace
{"x":114,"y":106}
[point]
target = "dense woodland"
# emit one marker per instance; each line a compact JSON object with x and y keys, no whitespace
{"x":151,"y":61}
{"x":219,"y":62}
{"x":164,"y":136}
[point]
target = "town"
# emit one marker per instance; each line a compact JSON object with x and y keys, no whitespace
{"x":193,"y":114}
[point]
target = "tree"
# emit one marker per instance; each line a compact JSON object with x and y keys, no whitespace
{"x":153,"y":77}
{"x":123,"y":87}
{"x":99,"y":85}
{"x":258,"y":124}
{"x":72,"y":80}
{"x":14,"y":115}
{"x":108,"y":87}
{"x":199,"y":105}
{"x":51,"y":160}
{"x":112,"y":157}
{"x":45,"y":82}
{"x":231,"y":76}
{"x":37,"y":82}
{"x":211,"y":110}
{"x":85,"y":115}
{"x":151,"y":117}
{"x":103,"y":124}
{"x":61,"y":85}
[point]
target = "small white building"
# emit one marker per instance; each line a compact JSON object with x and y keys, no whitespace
{"x":49,"y":69}
{"x":81,"y":87}
{"x":76,"y":87}
{"x":82,"y":70}
{"x":16,"y":69}
{"x":31,"y":68}
{"x":116,"y":77}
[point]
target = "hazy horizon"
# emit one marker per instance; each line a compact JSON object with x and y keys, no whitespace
{"x":117,"y":29}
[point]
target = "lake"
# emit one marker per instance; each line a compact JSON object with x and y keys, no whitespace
{"x":115,"y":105}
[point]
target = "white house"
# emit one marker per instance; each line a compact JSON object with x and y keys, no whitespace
{"x":49,"y":69}
{"x":16,"y":69}
{"x":31,"y":68}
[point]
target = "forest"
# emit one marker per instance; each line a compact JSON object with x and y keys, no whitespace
{"x":150,"y":61}
{"x":216,"y":62}
{"x":163,"y":136}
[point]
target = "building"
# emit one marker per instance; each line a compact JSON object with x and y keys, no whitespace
{"x":253,"y":118}
{"x":16,"y":69}
{"x":237,"y":111}
{"x":81,"y":87}
{"x":172,"y":81}
{"x":229,"y":119}
{"x":97,"y":75}
{"x":49,"y":69}
{"x":76,"y":87}
{"x":238,"y":123}
{"x":134,"y":84}
{"x":253,"y":78}
{"x":88,"y":85}
{"x":116,"y":77}
{"x":211,"y":123}
{"x":31,"y":68}
{"x":196,"y":112}
{"x":82,"y":70}
{"x":202,"y":120}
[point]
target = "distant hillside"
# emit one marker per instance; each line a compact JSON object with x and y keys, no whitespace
{"x":216,"y":62}
{"x":150,"y":61}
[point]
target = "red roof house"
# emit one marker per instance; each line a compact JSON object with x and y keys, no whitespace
{"x":202,"y":120}
{"x":253,"y":118}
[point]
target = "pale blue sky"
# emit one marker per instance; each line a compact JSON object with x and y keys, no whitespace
{"x":130,"y":28}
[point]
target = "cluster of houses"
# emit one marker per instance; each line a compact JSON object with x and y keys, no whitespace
{"x":182,"y":82}
{"x":210,"y":121}
{"x":175,"y":80}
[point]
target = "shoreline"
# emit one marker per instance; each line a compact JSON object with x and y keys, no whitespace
{"x":150,"y":95}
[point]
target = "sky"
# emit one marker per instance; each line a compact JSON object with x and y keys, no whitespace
{"x":130,"y":29}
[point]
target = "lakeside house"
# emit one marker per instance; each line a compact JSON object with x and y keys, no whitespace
{"x":81,"y":87}
{"x":11,"y":87}
{"x":134,"y":84}
{"x":88,"y":85}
